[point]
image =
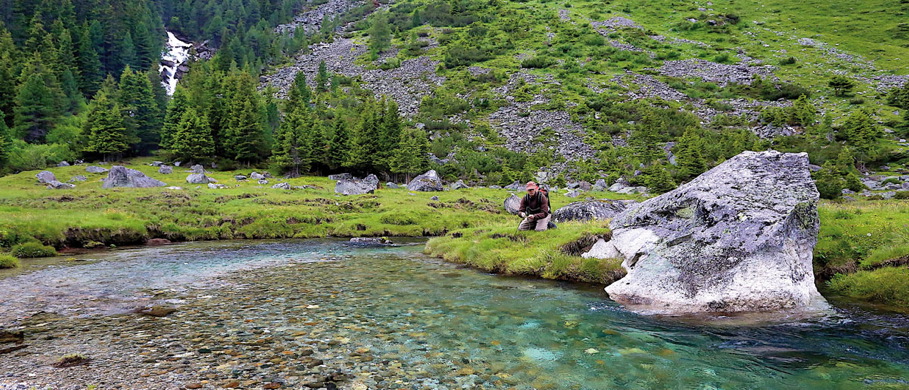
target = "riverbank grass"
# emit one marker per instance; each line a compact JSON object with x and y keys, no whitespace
{"x":7,"y":261}
{"x":553,"y":254}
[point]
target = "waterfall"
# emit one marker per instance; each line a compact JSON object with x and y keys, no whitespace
{"x":173,"y":62}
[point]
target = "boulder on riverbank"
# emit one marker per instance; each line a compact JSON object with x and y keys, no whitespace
{"x":737,"y":238}
{"x":370,"y":242}
{"x":120,"y":176}
{"x":355,"y":186}
{"x":590,"y":210}
{"x":426,"y":182}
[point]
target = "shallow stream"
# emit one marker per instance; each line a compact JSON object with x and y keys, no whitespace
{"x":318,"y":313}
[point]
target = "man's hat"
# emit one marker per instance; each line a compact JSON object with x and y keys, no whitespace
{"x":531,"y":184}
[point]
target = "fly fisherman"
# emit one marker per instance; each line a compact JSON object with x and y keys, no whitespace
{"x":534,"y":209}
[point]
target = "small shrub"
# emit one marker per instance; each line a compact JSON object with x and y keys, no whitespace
{"x":538,"y":62}
{"x":33,"y":249}
{"x":7,"y":261}
{"x":901,"y":195}
{"x":788,"y":61}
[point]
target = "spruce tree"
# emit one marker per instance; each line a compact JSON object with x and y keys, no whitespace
{"x":243,"y":132}
{"x":688,"y":155}
{"x":410,"y":155}
{"x":379,"y":34}
{"x":105,"y":129}
{"x":363,"y":150}
{"x":299,"y":93}
{"x":175,"y":110}
{"x":658,"y":179}
{"x":192,"y":140}
{"x":39,"y":102}
{"x":143,"y":117}
{"x":322,"y":77}
{"x":338,"y":144}
{"x":7,"y":77}
{"x":90,"y":67}
{"x":389,"y":134}
{"x":4,"y":142}
{"x":861,"y":133}
{"x":292,"y":151}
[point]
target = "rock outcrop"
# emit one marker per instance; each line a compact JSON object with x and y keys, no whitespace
{"x":95,"y":169}
{"x":46,"y":177}
{"x":165,"y":169}
{"x":590,"y":210}
{"x":197,"y":178}
{"x":120,"y":176}
{"x":737,"y":238}
{"x":355,"y":186}
{"x":426,"y":182}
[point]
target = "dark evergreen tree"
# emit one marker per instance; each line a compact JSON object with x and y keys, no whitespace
{"x":243,"y":132}
{"x":8,"y":55}
{"x":337,"y":145}
{"x":4,"y":142}
{"x":143,"y":118}
{"x":688,"y":155}
{"x":90,"y":68}
{"x":410,"y":155}
{"x":193,"y":139}
{"x":105,"y":130}
{"x":379,"y":34}
{"x":293,"y":148}
{"x":178,"y":105}
{"x":322,"y":77}
{"x":38,"y":104}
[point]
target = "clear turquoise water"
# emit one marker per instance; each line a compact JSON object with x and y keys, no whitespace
{"x":459,"y":328}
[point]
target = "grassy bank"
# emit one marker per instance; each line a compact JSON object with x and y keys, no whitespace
{"x":866,"y":243}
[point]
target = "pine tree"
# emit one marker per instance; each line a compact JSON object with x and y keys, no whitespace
{"x":243,"y":133}
{"x":125,"y":53}
{"x":410,"y":156}
{"x":861,"y":133}
{"x":178,"y":105}
{"x":7,"y":77}
{"x":688,"y":156}
{"x":292,"y":152}
{"x":89,"y":63}
{"x":4,"y":142}
{"x":104,"y":128}
{"x":193,"y":140}
{"x":39,"y":101}
{"x":299,"y":93}
{"x":143,"y":117}
{"x":338,"y":143}
{"x":389,"y":134}
{"x":379,"y":34}
{"x":322,"y":77}
{"x":658,"y":179}
{"x":363,"y":139}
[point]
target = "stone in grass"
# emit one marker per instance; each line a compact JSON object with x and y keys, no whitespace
{"x":737,"y":238}
{"x":166,"y":169}
{"x":281,"y":186}
{"x":45,"y":177}
{"x":77,"y":178}
{"x":392,"y":186}
{"x":56,"y":185}
{"x":95,"y":169}
{"x":120,"y":176}
{"x":512,"y":204}
{"x":355,"y":186}
{"x":459,"y":185}
{"x":596,"y":210}
{"x":197,"y":178}
{"x":426,"y":182}
{"x":436,"y":198}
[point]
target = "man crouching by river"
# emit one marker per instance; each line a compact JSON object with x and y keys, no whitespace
{"x":534,"y":209}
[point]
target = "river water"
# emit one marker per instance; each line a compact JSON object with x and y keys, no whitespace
{"x":287,"y":314}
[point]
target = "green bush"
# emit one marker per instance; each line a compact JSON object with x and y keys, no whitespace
{"x":7,"y":261}
{"x":33,"y":249}
{"x":888,"y":285}
{"x":538,"y":62}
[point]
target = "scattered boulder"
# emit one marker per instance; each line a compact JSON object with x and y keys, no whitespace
{"x":584,"y":186}
{"x":166,"y":169}
{"x":516,"y":186}
{"x":56,"y":185}
{"x":355,"y":186}
{"x":240,"y":177}
{"x":622,"y":186}
{"x":120,"y":176}
{"x":263,"y":181}
{"x":434,"y":198}
{"x":599,"y":185}
{"x":392,"y":186}
{"x":281,"y":186}
{"x":156,"y":163}
{"x":198,"y":178}
{"x":426,"y":182}
{"x":572,"y":193}
{"x":63,"y":164}
{"x":459,"y":185}
{"x":78,"y":178}
{"x":512,"y":204}
{"x":737,"y":238}
{"x":340,"y":176}
{"x":216,"y":186}
{"x":95,"y":169}
{"x":197,"y":169}
{"x":46,"y":177}
{"x":596,"y":210}
{"x":257,"y":176}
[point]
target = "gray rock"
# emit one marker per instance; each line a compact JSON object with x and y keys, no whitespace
{"x":63,"y":164}
{"x":56,"y":185}
{"x":197,"y":169}
{"x":426,"y":182}
{"x":512,"y":204}
{"x":197,"y":178}
{"x":46,"y":177}
{"x":737,"y":238}
{"x":572,"y":193}
{"x":177,"y":163}
{"x":434,"y":198}
{"x":392,"y":186}
{"x":78,"y":178}
{"x":355,"y":186}
{"x":584,"y":186}
{"x":590,"y":210}
{"x":281,"y":186}
{"x":156,"y":163}
{"x":263,"y":181}
{"x":95,"y":169}
{"x":495,"y":187}
{"x":459,"y":185}
{"x":240,"y":177}
{"x":370,"y":241}
{"x":516,"y":186}
{"x":166,"y":169}
{"x":341,"y":176}
{"x":256,"y":176}
{"x":216,"y":186}
{"x":120,"y":176}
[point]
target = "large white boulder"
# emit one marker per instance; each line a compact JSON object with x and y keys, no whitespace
{"x":737,"y":238}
